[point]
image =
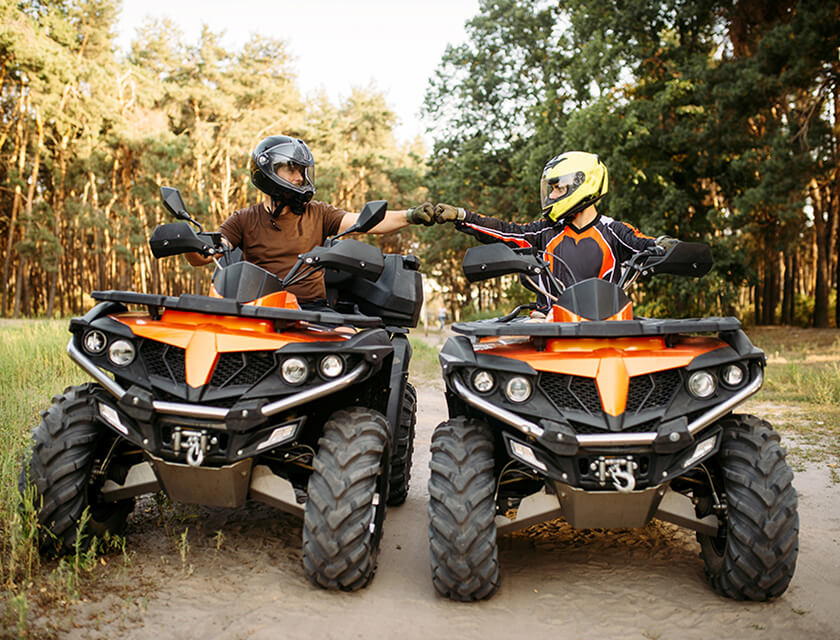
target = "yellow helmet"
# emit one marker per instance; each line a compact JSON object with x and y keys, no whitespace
{"x":570,"y":183}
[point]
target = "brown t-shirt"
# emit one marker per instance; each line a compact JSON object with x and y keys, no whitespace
{"x":275,"y":247}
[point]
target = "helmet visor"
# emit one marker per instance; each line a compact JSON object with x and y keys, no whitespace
{"x":289,"y":164}
{"x":297,"y":175}
{"x":554,"y":188}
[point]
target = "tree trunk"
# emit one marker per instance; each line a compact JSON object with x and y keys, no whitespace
{"x":822,"y":227}
{"x":58,"y":206}
{"x":22,"y":282}
{"x":22,"y":137}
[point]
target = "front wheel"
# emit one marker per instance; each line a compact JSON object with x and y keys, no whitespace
{"x":345,"y":508}
{"x":754,"y":555}
{"x":59,"y":464}
{"x":462,"y":528}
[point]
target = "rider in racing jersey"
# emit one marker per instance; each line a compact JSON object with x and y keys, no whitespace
{"x":578,"y":242}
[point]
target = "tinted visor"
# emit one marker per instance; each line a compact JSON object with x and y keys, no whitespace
{"x":292,"y":156}
{"x":555,"y":188}
{"x":287,"y":167}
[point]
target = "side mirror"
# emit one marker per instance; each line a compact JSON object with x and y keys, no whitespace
{"x":494,"y":260}
{"x":372,"y":214}
{"x":693,"y":259}
{"x":174,"y":203}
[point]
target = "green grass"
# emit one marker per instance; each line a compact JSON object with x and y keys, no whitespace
{"x":33,"y":368}
{"x":815,"y":383}
{"x":794,"y":343}
{"x":803,"y":372}
{"x":424,"y":360}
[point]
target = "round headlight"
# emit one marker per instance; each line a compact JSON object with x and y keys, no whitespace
{"x":121,"y":353}
{"x":701,"y":384}
{"x":294,"y":370}
{"x":518,"y":389}
{"x":483,"y":381}
{"x":331,"y":366}
{"x":94,"y":341}
{"x":732,"y":375}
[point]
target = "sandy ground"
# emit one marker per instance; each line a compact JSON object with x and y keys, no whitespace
{"x":556,"y":582}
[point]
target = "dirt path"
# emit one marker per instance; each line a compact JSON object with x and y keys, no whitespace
{"x":556,"y":582}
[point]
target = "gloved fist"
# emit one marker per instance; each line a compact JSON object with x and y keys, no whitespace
{"x":421,"y":214}
{"x":448,"y":213}
{"x":663,"y":243}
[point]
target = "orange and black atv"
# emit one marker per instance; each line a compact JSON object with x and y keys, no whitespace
{"x":242,"y":394}
{"x":606,"y":420}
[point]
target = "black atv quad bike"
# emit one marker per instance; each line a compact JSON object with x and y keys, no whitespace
{"x":241,"y":394}
{"x":606,"y":420}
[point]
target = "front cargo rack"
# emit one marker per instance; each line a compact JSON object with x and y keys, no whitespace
{"x":596,"y":328}
{"x":226,"y":307}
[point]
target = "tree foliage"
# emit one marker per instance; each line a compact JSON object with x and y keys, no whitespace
{"x":87,"y":139}
{"x":718,"y":120}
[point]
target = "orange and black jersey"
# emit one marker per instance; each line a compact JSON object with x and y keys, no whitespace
{"x":595,"y":251}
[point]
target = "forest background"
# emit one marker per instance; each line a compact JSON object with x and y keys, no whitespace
{"x":719,"y":122}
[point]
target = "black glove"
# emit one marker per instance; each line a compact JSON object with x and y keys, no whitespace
{"x":448,"y":213}
{"x":421,"y":214}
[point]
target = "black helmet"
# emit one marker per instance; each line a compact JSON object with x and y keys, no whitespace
{"x":283,"y":150}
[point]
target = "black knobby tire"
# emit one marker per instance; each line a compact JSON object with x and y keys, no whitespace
{"x":754,"y":556}
{"x":345,"y":507}
{"x":59,"y":464}
{"x":403,"y":448}
{"x":462,"y":528}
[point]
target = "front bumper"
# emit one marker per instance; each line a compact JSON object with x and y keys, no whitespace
{"x":217,"y":413}
{"x":603,"y":440}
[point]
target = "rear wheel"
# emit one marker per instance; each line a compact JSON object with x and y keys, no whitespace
{"x":345,"y":508}
{"x":59,"y":464}
{"x":462,"y":528}
{"x":403,"y":448}
{"x":754,"y":555}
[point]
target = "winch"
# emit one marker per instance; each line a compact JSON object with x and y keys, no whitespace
{"x":196,"y":443}
{"x":618,"y":470}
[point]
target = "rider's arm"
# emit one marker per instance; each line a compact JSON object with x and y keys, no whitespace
{"x":629,"y":239}
{"x":393,"y":221}
{"x":198,"y":260}
{"x":487,"y":229}
{"x":231,"y":235}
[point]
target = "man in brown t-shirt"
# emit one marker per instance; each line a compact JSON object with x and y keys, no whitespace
{"x":288,"y":222}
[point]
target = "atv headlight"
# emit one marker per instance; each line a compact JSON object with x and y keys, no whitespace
{"x":94,"y":342}
{"x":732,"y":375}
{"x":331,"y":366}
{"x":701,"y":384}
{"x":121,"y":353}
{"x":518,"y":389}
{"x":483,"y":381}
{"x":294,"y":370}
